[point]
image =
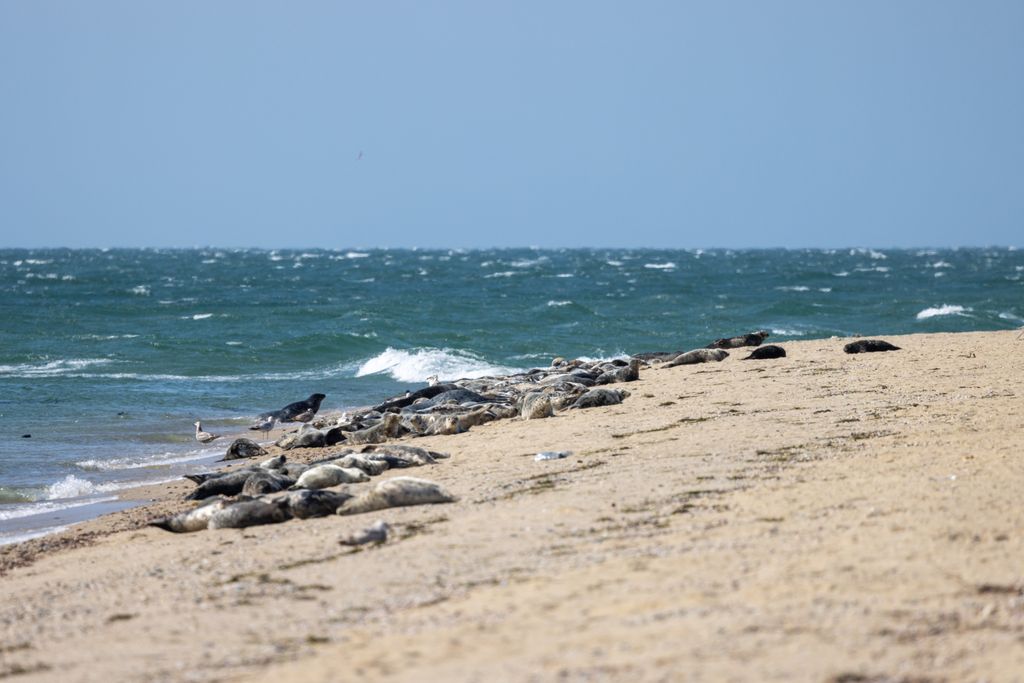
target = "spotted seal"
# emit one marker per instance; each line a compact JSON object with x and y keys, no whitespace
{"x":396,"y":492}
{"x":536,"y":405}
{"x":195,"y":519}
{"x":869,"y":346}
{"x":266,"y":481}
{"x":306,"y":503}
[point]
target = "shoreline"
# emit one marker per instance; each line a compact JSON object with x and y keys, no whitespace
{"x":888,"y":479}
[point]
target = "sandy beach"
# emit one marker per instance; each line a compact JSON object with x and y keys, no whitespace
{"x":822,"y":517}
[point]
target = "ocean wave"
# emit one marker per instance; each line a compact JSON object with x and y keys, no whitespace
{"x":668,"y":265}
{"x":199,"y":316}
{"x":129,"y":463}
{"x":559,"y":303}
{"x":940,"y":264}
{"x":842,"y":273}
{"x":506,"y":273}
{"x":1011,"y":316}
{"x":419,"y":364}
{"x":44,"y":507}
{"x":944,"y":309}
{"x":782,"y":331}
{"x":52,"y":368}
{"x":72,"y":486}
{"x":356,"y":254}
{"x":794,"y":288}
{"x":7,"y":539}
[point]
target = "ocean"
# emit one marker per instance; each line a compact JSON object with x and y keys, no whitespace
{"x":108,"y":356}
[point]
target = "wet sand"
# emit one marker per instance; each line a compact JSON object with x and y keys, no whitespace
{"x":822,"y":517}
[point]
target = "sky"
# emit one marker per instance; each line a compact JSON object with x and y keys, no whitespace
{"x":246,"y":123}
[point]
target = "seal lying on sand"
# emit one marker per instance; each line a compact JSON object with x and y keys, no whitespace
{"x":325,"y":476}
{"x":397,"y":492}
{"x":764,"y":352}
{"x":698,"y":356}
{"x":191,"y":520}
{"x":267,"y":481}
{"x":243,"y":448}
{"x":600,"y":397}
{"x":752,"y":339}
{"x":250,"y":513}
{"x":306,"y":503}
{"x":869,"y":346}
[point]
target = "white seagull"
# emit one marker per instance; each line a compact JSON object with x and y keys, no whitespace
{"x":204,"y":437}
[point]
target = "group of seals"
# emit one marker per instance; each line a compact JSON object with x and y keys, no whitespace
{"x":276,"y":491}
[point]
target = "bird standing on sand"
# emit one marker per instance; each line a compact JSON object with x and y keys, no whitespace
{"x":204,"y":437}
{"x":265,"y":424}
{"x":432,"y":380}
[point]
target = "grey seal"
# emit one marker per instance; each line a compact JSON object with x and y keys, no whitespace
{"x":250,"y":513}
{"x":627,"y":373}
{"x":227,"y":484}
{"x":600,"y":397}
{"x":764,"y":352}
{"x":325,"y":476}
{"x":752,"y":339}
{"x":306,"y":503}
{"x":536,"y":405}
{"x":243,"y":448}
{"x":195,"y":519}
{"x":698,"y":356}
{"x":265,"y":481}
{"x":397,"y":492}
{"x":308,"y":436}
{"x":869,"y":346}
{"x":398,"y":455}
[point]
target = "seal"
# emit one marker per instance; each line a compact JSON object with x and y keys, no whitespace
{"x":869,"y":346}
{"x":250,"y":513}
{"x":627,"y":373}
{"x":290,"y":412}
{"x":536,"y":405}
{"x":227,"y":484}
{"x":698,"y":356}
{"x":397,"y":492}
{"x":401,"y":455}
{"x":362,"y":462}
{"x":243,"y":448}
{"x":600,"y":397}
{"x":752,"y":339}
{"x":191,"y":520}
{"x":308,"y":436}
{"x":389,"y":426}
{"x":325,"y":476}
{"x":275,"y":463}
{"x":265,"y":481}
{"x":306,"y":503}
{"x":764,"y":352}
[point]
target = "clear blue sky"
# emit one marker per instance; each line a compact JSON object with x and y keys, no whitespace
{"x":673,"y":124}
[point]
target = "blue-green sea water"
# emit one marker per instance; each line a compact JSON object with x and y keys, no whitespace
{"x":108,"y":356}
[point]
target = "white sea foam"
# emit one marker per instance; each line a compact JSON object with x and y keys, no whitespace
{"x":51,"y":368}
{"x":1011,"y":316}
{"x":944,"y":309}
{"x":506,"y":273}
{"x":668,"y":265}
{"x":43,"y":507}
{"x":356,"y":254}
{"x":558,"y":303}
{"x":826,"y":290}
{"x":614,"y":263}
{"x":76,"y":487}
{"x":418,"y":364}
{"x":202,"y":316}
{"x":129,"y":463}
{"x":842,"y":273}
{"x":794,"y":288}
{"x":782,"y":331}
{"x":876,"y":254}
{"x":940,"y":264}
{"x":29,"y":535}
{"x":528,"y":263}
{"x":566,"y":275}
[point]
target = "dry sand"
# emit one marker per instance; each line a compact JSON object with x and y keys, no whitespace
{"x":822,"y":517}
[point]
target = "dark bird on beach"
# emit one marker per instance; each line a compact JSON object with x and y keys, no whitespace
{"x":204,"y":437}
{"x":292,"y":412}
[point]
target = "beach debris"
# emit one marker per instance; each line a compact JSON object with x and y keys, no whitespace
{"x":204,"y":437}
{"x":766,"y":352}
{"x":376,"y":533}
{"x":698,"y":356}
{"x":244,"y":448}
{"x":397,"y":492}
{"x":751,"y":339}
{"x":869,"y":346}
{"x":551,"y":455}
